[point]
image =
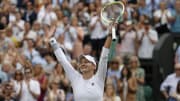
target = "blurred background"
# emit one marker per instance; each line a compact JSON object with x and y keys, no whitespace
{"x":140,"y":59}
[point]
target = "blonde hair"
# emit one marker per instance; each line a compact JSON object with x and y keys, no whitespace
{"x":133,"y":57}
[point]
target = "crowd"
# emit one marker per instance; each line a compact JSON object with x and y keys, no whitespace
{"x":30,"y":72}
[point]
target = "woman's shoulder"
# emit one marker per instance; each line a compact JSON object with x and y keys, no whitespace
{"x":140,"y":69}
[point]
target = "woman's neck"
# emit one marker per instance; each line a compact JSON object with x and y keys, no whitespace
{"x":87,"y":75}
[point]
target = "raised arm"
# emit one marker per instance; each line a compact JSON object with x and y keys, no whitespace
{"x":102,"y":66}
{"x":68,"y":68}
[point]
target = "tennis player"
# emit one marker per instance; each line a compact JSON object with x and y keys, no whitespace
{"x":87,"y":85}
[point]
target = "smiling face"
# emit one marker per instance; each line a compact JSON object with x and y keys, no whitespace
{"x":86,"y":66}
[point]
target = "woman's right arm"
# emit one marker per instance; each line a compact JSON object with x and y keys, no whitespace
{"x":70,"y":71}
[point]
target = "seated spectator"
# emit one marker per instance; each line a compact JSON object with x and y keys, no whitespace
{"x":114,"y":71}
{"x":139,"y":74}
{"x":7,"y":93}
{"x":40,"y":76}
{"x":110,"y":93}
{"x":18,"y":78}
{"x":6,"y":71}
{"x":54,"y":93}
{"x":57,"y":74}
{"x":168,"y":86}
{"x":127,"y":85}
{"x":176,"y":95}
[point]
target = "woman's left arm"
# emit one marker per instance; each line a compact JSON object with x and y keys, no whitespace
{"x":102,"y":66}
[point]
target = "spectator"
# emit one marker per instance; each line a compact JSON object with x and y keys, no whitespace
{"x":147,"y":38}
{"x":51,"y":63}
{"x":4,"y":22}
{"x":40,"y":76}
{"x":110,"y":93}
{"x":143,"y":8}
{"x":96,"y":26}
{"x":114,"y":71}
{"x":162,"y":18}
{"x":6,"y":71}
{"x":30,"y":52}
{"x":176,"y":95}
{"x":78,"y":44}
{"x":35,"y":31}
{"x":66,"y":9}
{"x":3,"y":76}
{"x":177,"y":55}
{"x":54,"y":93}
{"x":69,"y":35}
{"x":128,"y":40}
{"x":175,"y":26}
{"x":57,"y":74}
{"x":47,"y":16}
{"x":7,"y":92}
{"x":139,"y":74}
{"x":168,"y":86}
{"x":18,"y":78}
{"x":18,"y":26}
{"x":127,"y":85}
{"x":87,"y":48}
{"x":17,"y":82}
{"x":29,"y":88}
{"x":29,"y":14}
{"x":60,"y":16}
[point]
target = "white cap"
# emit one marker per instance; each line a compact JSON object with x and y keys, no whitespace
{"x":89,"y":58}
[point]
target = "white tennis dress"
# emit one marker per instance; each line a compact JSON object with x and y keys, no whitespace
{"x":85,"y":90}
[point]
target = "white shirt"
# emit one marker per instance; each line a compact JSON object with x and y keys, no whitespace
{"x":98,"y":32}
{"x":163,"y":15}
{"x":46,"y":17}
{"x":178,"y":54}
{"x":26,"y":95}
{"x":171,"y":81}
{"x":127,"y":43}
{"x":85,"y":90}
{"x":18,"y":30}
{"x":146,"y":48}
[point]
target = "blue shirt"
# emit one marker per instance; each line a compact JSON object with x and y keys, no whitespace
{"x":3,"y":76}
{"x":145,"y":11}
{"x":175,"y":26}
